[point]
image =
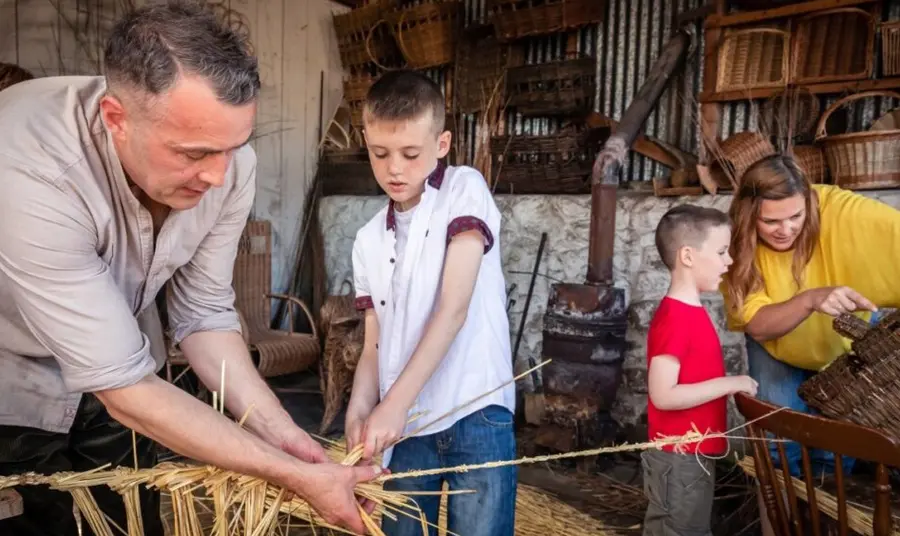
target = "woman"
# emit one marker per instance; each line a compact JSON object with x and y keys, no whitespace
{"x":804,"y":254}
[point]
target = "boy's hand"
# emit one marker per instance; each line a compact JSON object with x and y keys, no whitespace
{"x":743,"y":384}
{"x":382,"y":429}
{"x":353,"y":430}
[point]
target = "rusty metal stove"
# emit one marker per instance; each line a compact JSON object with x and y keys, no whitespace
{"x":585,"y":323}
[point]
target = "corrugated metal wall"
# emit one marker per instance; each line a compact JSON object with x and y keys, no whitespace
{"x":626,"y":44}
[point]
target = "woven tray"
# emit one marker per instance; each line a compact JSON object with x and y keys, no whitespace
{"x":833,"y":45}
{"x":555,"y":88}
{"x":753,"y":58}
{"x":558,"y":163}
{"x":861,"y":387}
{"x":515,"y":19}
{"x":861,"y":160}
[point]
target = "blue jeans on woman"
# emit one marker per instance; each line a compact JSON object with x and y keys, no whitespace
{"x":778,"y":384}
{"x":486,"y":435}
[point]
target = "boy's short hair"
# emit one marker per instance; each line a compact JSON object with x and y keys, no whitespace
{"x":685,"y":225}
{"x":11,"y":74}
{"x":403,"y":95}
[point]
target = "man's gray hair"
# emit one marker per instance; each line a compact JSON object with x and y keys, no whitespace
{"x":149,"y":48}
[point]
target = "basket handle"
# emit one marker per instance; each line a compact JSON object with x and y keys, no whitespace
{"x":369,"y":44}
{"x":839,"y":10}
{"x":820,"y":128}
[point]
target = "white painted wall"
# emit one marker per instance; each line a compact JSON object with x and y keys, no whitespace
{"x":295,"y":42}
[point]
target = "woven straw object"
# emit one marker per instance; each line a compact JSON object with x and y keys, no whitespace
{"x":740,"y":151}
{"x":861,"y":160}
{"x":833,"y":45}
{"x":753,"y":58}
{"x":426,"y":33}
{"x":811,"y":160}
{"x":515,"y":19}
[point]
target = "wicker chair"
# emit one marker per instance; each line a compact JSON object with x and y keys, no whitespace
{"x":280,"y":352}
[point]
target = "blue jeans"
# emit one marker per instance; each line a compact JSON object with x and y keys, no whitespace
{"x":483,"y":436}
{"x":778,"y":384}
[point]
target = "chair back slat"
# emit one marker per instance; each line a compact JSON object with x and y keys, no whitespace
{"x":253,"y":276}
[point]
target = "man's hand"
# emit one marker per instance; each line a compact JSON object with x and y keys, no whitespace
{"x":297,"y":443}
{"x":329,"y":489}
{"x":382,"y":429}
{"x":836,"y":301}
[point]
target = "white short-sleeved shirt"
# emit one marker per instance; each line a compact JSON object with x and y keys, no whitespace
{"x":456,"y":199}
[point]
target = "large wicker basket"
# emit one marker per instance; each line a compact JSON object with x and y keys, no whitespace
{"x":890,"y":48}
{"x":515,"y":19}
{"x":861,"y":160}
{"x":427,"y":32}
{"x":361,"y":36}
{"x":811,"y":160}
{"x":753,"y":58}
{"x":741,"y":150}
{"x":832,"y":45}
{"x":861,"y":387}
{"x":560,"y":87}
{"x":557,"y":163}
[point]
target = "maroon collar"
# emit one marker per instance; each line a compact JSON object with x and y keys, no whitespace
{"x":435,"y":179}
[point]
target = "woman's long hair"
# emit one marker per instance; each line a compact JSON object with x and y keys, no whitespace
{"x":773,"y":178}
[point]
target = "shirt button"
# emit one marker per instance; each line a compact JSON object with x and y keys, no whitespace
{"x":392,"y":260}
{"x":382,"y":302}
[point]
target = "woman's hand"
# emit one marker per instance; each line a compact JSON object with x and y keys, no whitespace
{"x":836,"y":301}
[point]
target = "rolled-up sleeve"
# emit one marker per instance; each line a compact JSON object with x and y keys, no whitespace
{"x":63,"y":290}
{"x":201,"y":296}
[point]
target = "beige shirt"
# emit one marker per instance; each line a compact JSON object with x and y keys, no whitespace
{"x":79,"y":272}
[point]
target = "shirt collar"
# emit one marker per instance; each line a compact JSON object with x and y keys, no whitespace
{"x":435,"y":179}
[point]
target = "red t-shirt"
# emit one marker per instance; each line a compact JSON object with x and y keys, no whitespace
{"x":687,"y":333}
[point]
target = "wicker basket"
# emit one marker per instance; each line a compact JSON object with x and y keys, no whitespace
{"x":347,"y":172}
{"x":480,"y":70}
{"x":861,"y":387}
{"x":811,"y":160}
{"x":890,"y":48}
{"x":861,"y":160}
{"x":361,"y":36}
{"x":740,"y":151}
{"x":355,"y":90}
{"x":558,"y":163}
{"x":427,"y":32}
{"x":515,"y":19}
{"x":833,"y":45}
{"x":753,"y":58}
{"x":555,"y":88}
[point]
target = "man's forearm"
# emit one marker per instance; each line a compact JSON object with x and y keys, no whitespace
{"x":778,"y":319}
{"x":244,"y":387}
{"x":168,"y":415}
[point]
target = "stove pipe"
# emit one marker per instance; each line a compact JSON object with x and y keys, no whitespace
{"x":605,"y":174}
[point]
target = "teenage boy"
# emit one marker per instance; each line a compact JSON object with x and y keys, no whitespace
{"x":427,"y":272}
{"x":686,"y":377}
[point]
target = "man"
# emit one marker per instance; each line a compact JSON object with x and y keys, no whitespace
{"x":110,"y":187}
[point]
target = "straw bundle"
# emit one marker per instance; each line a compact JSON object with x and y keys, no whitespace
{"x":859,"y":518}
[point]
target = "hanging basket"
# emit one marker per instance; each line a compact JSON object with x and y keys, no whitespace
{"x":426,"y":33}
{"x":861,"y":387}
{"x":890,"y":48}
{"x":355,"y":90}
{"x":861,"y":160}
{"x":833,"y":45}
{"x":561,"y":87}
{"x":515,"y":19}
{"x":740,"y":151}
{"x":558,"y":163}
{"x":361,"y":36}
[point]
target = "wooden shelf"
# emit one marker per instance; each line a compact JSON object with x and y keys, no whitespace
{"x":826,"y":88}
{"x":749,"y":17}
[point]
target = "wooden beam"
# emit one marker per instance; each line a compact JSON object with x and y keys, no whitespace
{"x":748,"y":17}
{"x":825,"y":88}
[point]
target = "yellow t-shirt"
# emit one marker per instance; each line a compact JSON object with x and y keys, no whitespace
{"x":859,"y":247}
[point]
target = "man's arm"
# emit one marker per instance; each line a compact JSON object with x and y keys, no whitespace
{"x":72,"y":305}
{"x":668,"y":395}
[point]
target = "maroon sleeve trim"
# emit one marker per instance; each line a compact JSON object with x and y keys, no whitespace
{"x":469,"y":223}
{"x":364,"y":302}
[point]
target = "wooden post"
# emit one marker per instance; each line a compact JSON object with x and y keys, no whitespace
{"x":710,"y":111}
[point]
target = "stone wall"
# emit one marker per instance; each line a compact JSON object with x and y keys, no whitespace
{"x":637,"y":268}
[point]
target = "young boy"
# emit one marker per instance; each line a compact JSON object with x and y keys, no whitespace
{"x":686,"y":376}
{"x":427,"y":273}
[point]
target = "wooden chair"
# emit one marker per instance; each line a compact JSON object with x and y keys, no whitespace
{"x":343,"y":330}
{"x":813,"y":432}
{"x":280,"y":352}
